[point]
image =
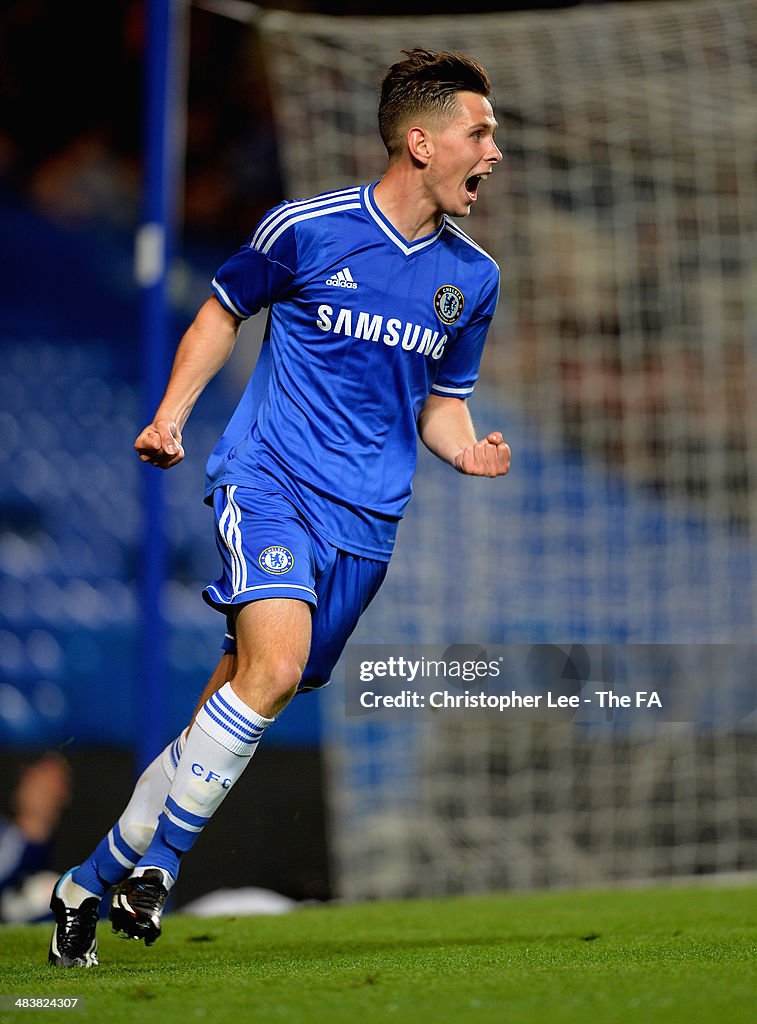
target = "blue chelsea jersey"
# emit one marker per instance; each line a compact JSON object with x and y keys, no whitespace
{"x":362,"y":327}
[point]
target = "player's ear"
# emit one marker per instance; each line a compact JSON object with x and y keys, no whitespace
{"x":419,"y":144}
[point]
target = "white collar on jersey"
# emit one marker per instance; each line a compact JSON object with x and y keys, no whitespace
{"x":391,"y":232}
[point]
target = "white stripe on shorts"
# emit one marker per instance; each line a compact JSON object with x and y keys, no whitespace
{"x":228,"y":527}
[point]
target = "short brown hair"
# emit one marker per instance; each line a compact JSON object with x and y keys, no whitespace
{"x":426,"y":83}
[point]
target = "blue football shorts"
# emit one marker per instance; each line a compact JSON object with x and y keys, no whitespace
{"x":269,"y":550}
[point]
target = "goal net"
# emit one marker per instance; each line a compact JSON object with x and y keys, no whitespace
{"x":620,"y":367}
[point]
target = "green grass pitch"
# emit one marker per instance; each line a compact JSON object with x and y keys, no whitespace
{"x":643,"y":956}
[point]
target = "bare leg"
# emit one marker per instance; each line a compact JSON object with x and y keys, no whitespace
{"x":273,"y":643}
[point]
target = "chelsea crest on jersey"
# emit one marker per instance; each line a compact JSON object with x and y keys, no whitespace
{"x":362,"y":327}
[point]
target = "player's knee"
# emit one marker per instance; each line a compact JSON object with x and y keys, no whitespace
{"x":284,"y":675}
{"x":277,"y":677}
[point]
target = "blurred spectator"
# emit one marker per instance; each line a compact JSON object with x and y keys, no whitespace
{"x":26,"y":837}
{"x":87,"y":182}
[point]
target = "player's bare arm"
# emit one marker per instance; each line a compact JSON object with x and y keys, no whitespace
{"x":205,"y":347}
{"x":446,"y":428}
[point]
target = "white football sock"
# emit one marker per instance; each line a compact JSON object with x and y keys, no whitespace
{"x":218,"y":749}
{"x":139,"y":819}
{"x":118,"y":852}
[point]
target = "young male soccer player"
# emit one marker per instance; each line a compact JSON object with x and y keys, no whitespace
{"x":379,"y":306}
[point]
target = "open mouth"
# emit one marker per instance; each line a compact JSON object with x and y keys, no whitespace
{"x":471,"y":185}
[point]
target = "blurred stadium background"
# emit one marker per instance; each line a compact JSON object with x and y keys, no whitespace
{"x":619,"y":368}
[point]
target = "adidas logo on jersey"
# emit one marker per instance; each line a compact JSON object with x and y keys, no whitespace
{"x":342,"y":279}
